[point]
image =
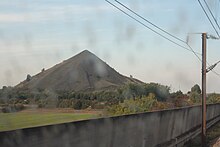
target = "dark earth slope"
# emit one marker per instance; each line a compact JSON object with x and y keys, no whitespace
{"x":83,"y":72}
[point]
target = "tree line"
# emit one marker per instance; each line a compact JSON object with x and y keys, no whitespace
{"x":130,"y":98}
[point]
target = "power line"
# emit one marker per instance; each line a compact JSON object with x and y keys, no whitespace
{"x":150,"y":22}
{"x":212,"y":37}
{"x":211,"y":67}
{"x":195,"y":53}
{"x":159,"y":28}
{"x":212,"y":26}
{"x":217,"y":9}
{"x":208,"y":18}
{"x":148,"y":27}
{"x":211,"y":14}
{"x":189,"y":49}
{"x":213,"y":71}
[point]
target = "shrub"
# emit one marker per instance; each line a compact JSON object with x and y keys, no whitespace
{"x":13,"y":108}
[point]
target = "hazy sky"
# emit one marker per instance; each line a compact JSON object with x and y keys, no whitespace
{"x":36,"y":34}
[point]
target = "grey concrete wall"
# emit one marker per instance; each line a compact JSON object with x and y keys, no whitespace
{"x":160,"y":128}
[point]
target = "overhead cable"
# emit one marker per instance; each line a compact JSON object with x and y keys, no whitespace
{"x":185,"y":42}
{"x":212,"y":14}
{"x":150,"y":22}
{"x":208,"y":18}
{"x":171,"y":35}
{"x":132,"y":17}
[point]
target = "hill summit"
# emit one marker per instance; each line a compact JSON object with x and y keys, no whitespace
{"x":83,"y":72}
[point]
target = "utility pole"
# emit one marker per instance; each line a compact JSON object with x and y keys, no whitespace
{"x":203,"y":137}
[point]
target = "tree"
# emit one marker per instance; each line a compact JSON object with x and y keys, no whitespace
{"x":195,"y":94}
{"x":213,"y":98}
{"x":78,"y":105}
{"x":161,"y":92}
{"x":177,"y":94}
{"x":195,"y":97}
{"x":196,"y":89}
{"x":7,"y":93}
{"x":28,"y":78}
{"x":179,"y":99}
{"x":136,"y":105}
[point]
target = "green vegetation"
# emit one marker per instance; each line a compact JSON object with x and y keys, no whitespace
{"x":196,"y":89}
{"x":130,"y":98}
{"x":7,"y":108}
{"x":137,"y":105}
{"x":178,"y":99}
{"x":11,"y":121}
{"x":213,"y":98}
{"x":81,"y":100}
{"x":195,"y":94}
{"x":154,"y":99}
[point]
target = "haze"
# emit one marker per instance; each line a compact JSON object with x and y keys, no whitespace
{"x":37,"y":34}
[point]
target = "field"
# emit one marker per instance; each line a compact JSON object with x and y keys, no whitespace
{"x":32,"y":118}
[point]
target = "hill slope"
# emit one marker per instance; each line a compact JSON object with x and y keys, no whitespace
{"x":83,"y":72}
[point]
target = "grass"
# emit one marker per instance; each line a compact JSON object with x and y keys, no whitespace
{"x":12,"y":121}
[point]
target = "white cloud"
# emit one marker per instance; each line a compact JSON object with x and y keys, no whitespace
{"x":12,"y":18}
{"x":39,"y":13}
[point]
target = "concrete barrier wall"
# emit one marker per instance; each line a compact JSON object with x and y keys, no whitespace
{"x":161,"y":128}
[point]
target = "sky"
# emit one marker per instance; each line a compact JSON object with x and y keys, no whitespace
{"x":37,"y":34}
